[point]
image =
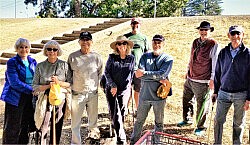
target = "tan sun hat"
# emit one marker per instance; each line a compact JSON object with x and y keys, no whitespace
{"x":121,"y":39}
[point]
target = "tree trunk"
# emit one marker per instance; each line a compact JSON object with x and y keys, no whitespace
{"x":77,"y":8}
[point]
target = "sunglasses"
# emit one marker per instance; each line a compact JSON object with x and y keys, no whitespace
{"x":234,"y":33}
{"x":133,"y":23}
{"x":157,"y":42}
{"x":50,"y":49}
{"x":85,"y":39}
{"x":122,"y":43}
{"x":204,"y":29}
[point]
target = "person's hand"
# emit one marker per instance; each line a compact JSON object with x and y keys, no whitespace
{"x":164,"y":82}
{"x":113,"y":91}
{"x":246,"y":106}
{"x":214,"y":97}
{"x":139,"y":73}
{"x":35,"y":92}
{"x":55,"y":79}
{"x":211,"y":84}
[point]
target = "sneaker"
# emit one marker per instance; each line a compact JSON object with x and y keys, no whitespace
{"x":200,"y":131}
{"x":184,"y":123}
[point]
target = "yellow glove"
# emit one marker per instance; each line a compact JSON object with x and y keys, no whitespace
{"x":163,"y":90}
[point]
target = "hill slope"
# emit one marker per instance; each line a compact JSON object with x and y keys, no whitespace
{"x":179,"y":33}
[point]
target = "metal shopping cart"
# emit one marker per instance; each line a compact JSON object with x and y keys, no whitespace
{"x":152,"y":138}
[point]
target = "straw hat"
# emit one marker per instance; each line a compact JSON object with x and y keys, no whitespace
{"x":121,"y":39}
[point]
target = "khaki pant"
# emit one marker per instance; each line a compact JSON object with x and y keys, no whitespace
{"x":79,"y":103}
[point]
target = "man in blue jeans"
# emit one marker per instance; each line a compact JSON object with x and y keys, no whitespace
{"x":232,"y":85}
{"x":154,"y":68}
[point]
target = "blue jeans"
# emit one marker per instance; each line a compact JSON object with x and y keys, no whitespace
{"x":142,"y":113}
{"x":224,"y":102}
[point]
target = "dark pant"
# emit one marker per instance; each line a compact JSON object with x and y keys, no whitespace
{"x":117,"y":106}
{"x":199,"y":90}
{"x":18,"y":121}
{"x":48,"y":119}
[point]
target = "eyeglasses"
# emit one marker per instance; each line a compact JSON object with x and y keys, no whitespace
{"x":204,"y":29}
{"x":50,"y":49}
{"x":234,"y":33}
{"x":121,"y":43}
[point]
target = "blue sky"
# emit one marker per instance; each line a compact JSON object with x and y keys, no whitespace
{"x":7,"y":8}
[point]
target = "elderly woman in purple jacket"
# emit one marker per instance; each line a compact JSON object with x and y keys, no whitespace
{"x":119,"y":72}
{"x":17,"y":95}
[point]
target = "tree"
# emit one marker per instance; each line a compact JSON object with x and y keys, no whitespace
{"x":203,"y":7}
{"x":109,"y":8}
{"x":50,"y":8}
{"x":170,"y":7}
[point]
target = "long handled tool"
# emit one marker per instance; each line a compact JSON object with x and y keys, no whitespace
{"x":54,"y":125}
{"x":133,"y":110}
{"x":210,"y":123}
{"x":202,"y":108}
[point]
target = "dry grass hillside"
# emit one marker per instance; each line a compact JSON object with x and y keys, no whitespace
{"x":179,"y":33}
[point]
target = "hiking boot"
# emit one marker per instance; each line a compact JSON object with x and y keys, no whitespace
{"x":184,"y":123}
{"x":120,"y":141}
{"x":200,"y":131}
{"x":92,"y":141}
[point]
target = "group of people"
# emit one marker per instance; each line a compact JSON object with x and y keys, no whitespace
{"x":28,"y":105}
{"x":130,"y":69}
{"x":225,"y":73}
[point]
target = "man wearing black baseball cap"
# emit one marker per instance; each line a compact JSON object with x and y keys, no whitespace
{"x":85,"y":35}
{"x":232,"y":85}
{"x":153,"y":69}
{"x":86,"y":69}
{"x":199,"y":78}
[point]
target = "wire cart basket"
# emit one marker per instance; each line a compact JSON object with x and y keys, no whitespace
{"x":152,"y":138}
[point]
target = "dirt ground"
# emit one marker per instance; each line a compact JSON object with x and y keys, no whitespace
{"x":179,"y":33}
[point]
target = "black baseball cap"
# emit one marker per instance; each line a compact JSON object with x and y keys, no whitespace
{"x":85,"y":35}
{"x":158,"y":38}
